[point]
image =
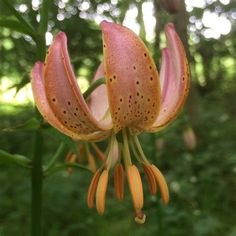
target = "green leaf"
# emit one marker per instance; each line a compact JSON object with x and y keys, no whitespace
{"x":18,"y":86}
{"x":4,"y":11}
{"x":7,"y":158}
{"x":15,"y":25}
{"x":32,"y":124}
{"x":20,"y":18}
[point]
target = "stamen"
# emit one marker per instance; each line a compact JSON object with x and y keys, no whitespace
{"x":70,"y":158}
{"x":135,"y":186}
{"x":91,"y":163}
{"x":126,"y":152}
{"x":150,"y":178}
{"x":92,"y":188}
{"x":134,"y":151}
{"x":113,"y":153}
{"x":119,"y":181}
{"x":101,"y":192}
{"x":139,"y":149}
{"x":99,"y":153}
{"x":162,"y":184}
{"x":140,"y":217}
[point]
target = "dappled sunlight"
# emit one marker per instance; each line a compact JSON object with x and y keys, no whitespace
{"x":11,"y":96}
{"x":24,"y":96}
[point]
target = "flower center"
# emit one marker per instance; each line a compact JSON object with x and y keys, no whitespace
{"x":121,"y":148}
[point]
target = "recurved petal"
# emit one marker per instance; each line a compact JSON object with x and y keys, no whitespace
{"x":63,"y":93}
{"x":98,"y":100}
{"x":42,"y":103}
{"x":174,"y":77}
{"x":132,"y":78}
{"x":44,"y":108}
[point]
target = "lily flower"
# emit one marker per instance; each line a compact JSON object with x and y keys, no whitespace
{"x":133,"y":100}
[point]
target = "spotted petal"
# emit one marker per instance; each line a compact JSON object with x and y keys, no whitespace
{"x":63,"y":95}
{"x":46,"y":111}
{"x":62,"y":91}
{"x":174,"y":78}
{"x":132,"y":78}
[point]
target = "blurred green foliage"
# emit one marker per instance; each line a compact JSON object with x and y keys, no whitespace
{"x":202,"y":181}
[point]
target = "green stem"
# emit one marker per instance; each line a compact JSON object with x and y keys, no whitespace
{"x":41,"y":47}
{"x":60,"y":167}
{"x":43,"y":24}
{"x":139,"y":148}
{"x":60,"y":151}
{"x":126,"y":152}
{"x":131,"y":142}
{"x":37,"y":169}
{"x":93,"y":86}
{"x":37,"y":183}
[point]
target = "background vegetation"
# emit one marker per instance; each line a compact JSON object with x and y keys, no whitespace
{"x":201,"y":171}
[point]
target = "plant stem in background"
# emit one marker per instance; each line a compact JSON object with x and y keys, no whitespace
{"x":37,"y":183}
{"x":37,"y":169}
{"x":93,"y":86}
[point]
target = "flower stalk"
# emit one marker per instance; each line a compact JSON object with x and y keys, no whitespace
{"x":37,"y":184}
